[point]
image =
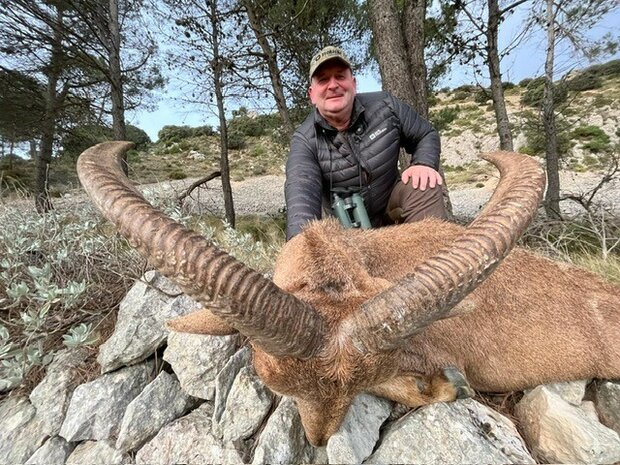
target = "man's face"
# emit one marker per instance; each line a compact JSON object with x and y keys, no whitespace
{"x":332,"y":90}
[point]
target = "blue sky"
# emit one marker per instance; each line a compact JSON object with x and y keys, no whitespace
{"x":525,"y":61}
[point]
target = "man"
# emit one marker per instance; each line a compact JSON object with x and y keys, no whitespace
{"x":352,"y":141}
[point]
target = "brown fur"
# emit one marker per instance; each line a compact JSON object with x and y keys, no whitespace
{"x":532,"y":321}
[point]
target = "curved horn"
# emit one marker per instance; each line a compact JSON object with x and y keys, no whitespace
{"x":279,"y":322}
{"x":441,"y":282}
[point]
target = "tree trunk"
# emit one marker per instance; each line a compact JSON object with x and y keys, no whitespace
{"x":116,"y":80}
{"x":274,"y":70}
{"x":48,"y":125}
{"x":399,"y":43}
{"x":390,"y":47}
{"x":219,"y":96}
{"x":413,"y":32}
{"x":497,"y":90}
{"x":552,"y":202}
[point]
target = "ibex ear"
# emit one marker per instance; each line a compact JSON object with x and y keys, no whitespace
{"x":201,"y":322}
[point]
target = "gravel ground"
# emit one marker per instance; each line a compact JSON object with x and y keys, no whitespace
{"x":265,"y":195}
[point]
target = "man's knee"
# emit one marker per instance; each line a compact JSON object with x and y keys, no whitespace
{"x":407,"y":204}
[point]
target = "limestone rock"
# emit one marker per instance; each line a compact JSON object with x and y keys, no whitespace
{"x":21,"y":433}
{"x":224,"y":381}
{"x":247,"y":405}
{"x":97,"y":453}
{"x":197,"y":359}
{"x":457,"y":432}
{"x":608,"y":404}
{"x":572,"y":391}
{"x":140,"y":327}
{"x":97,"y":407}
{"x":52,"y":395}
{"x":157,"y":405}
{"x":359,"y":433}
{"x":559,"y":432}
{"x":283,"y":440}
{"x":188,"y":440}
{"x":55,"y":450}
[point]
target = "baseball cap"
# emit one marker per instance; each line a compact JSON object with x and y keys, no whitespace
{"x":328,"y":53}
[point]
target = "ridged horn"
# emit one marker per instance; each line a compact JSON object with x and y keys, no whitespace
{"x":278,"y":322}
{"x":438,"y":284}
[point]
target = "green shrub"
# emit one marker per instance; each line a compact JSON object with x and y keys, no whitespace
{"x":258,"y":151}
{"x":236,"y":139}
{"x":482,"y":96}
{"x":601,"y":101}
{"x":56,"y":270}
{"x":508,"y":85}
{"x":525,"y":82}
{"x":595,"y":139}
{"x":611,"y":68}
{"x":535,"y":134}
{"x":526,"y":149}
{"x":534,"y":92}
{"x":441,"y":119}
{"x":171,"y":134}
{"x":460,"y":95}
{"x":585,"y":81}
{"x":177,"y":173}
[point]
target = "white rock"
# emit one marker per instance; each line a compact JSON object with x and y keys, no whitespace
{"x":247,"y":405}
{"x":559,"y":432}
{"x":157,"y":405}
{"x":197,"y":359}
{"x":572,"y":391}
{"x":283,"y":440}
{"x":21,"y":433}
{"x":52,"y":395}
{"x":140,"y":330}
{"x":97,"y":407}
{"x":188,"y":440}
{"x":457,"y":432}
{"x":97,"y":453}
{"x":55,"y":450}
{"x":359,"y":433}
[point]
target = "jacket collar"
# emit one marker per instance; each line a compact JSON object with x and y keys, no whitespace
{"x":358,"y":109}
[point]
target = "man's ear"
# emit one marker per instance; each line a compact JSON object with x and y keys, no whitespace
{"x":310,"y":89}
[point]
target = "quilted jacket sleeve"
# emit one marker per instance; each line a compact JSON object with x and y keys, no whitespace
{"x":303,"y":187}
{"x":418,"y":136}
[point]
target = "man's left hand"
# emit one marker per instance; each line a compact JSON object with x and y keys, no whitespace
{"x":421,"y":177}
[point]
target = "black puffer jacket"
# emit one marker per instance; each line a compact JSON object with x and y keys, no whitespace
{"x":321,"y":157}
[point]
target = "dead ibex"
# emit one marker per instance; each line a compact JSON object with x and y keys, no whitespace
{"x":352,"y":311}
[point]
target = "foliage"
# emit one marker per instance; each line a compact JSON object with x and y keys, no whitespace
{"x":236,"y":139}
{"x":79,"y":138}
{"x":482,"y":96}
{"x":584,"y":81}
{"x":595,"y":139}
{"x":441,"y":119}
{"x":534,"y":132}
{"x":177,"y":173}
{"x":170,"y":133}
{"x":56,"y":270}
{"x":252,"y":124}
{"x":534,"y":91}
{"x":22,"y":106}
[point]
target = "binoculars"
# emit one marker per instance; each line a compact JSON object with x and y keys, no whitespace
{"x":350,"y":210}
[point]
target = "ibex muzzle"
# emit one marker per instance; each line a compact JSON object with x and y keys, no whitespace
{"x":400,"y":311}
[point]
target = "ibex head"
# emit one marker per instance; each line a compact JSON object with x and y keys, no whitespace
{"x":319,"y":341}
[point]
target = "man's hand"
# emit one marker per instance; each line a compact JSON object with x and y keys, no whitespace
{"x":421,"y":176}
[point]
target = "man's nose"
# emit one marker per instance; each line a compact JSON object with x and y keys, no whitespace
{"x":333,"y":82}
